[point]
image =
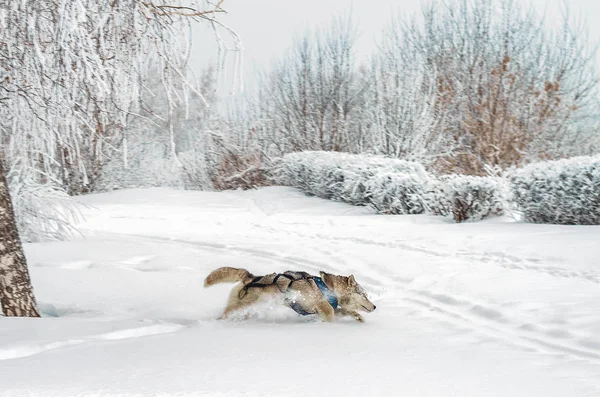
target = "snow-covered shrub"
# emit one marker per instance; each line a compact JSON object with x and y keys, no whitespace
{"x":470,"y":197}
{"x":43,"y":211}
{"x":300,"y":170}
{"x":390,"y":185}
{"x":392,"y":192}
{"x":561,"y":192}
{"x":361,"y":178}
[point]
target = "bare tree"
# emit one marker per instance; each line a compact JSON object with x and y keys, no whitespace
{"x":306,"y":101}
{"x":502,"y":86}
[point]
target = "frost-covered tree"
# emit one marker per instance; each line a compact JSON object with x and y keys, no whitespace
{"x":491,"y":82}
{"x":76,"y":75}
{"x":398,"y":106}
{"x":307,"y":100}
{"x":169,"y":144}
{"x":72,"y":78}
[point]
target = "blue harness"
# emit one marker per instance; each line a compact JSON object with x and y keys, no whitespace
{"x":327,"y":293}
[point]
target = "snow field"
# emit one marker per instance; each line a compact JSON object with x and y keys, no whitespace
{"x":493,"y":308}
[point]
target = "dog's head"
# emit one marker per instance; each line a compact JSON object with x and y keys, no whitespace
{"x":351,"y":295}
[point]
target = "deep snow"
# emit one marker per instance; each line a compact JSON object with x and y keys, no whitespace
{"x":494,"y":308}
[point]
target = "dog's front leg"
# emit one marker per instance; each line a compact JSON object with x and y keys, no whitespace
{"x":325,"y":311}
{"x":351,"y":313}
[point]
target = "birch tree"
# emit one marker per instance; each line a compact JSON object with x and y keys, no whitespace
{"x":16,"y":293}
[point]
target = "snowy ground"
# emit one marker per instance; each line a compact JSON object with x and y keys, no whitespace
{"x":493,"y":308}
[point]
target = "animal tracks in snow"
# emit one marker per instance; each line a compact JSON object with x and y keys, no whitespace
{"x":495,"y":258}
{"x":128,"y":333}
{"x":310,"y":264}
{"x":477,"y":317}
{"x":493,"y":323}
{"x":532,"y":264}
{"x":357,"y":240}
{"x":77,"y":265}
{"x":140,"y":263}
{"x":71,"y":265}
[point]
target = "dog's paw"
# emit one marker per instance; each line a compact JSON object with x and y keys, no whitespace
{"x":359,"y":318}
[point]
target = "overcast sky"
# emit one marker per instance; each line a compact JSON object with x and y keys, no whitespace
{"x":267,"y":27}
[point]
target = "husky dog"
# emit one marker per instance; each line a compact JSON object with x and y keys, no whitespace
{"x":326,"y":296}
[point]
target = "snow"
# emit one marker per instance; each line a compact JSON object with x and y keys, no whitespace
{"x":491,"y":308}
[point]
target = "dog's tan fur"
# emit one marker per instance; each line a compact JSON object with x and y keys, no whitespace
{"x":350,"y":295}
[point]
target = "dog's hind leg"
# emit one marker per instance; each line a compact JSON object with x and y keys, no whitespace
{"x":235,"y":304}
{"x":231,"y":307}
{"x":229,"y":310}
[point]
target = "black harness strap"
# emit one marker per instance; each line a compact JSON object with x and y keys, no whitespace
{"x":292,"y":279}
{"x":251,"y":284}
{"x":255,"y":284}
{"x":255,"y":280}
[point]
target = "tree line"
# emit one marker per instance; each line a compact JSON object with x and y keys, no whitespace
{"x":467,"y":87}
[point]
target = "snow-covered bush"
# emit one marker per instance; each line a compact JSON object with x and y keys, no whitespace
{"x":390,"y":185}
{"x":470,"y":197}
{"x":392,"y":192}
{"x":561,"y":192}
{"x":43,"y":212}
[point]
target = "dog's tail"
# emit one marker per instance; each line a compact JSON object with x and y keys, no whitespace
{"x":228,"y":275}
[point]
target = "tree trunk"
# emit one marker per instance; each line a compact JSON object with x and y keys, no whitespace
{"x":16,"y":293}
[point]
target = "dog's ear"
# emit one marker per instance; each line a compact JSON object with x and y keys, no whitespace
{"x":352,"y":281}
{"x":323,"y":274}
